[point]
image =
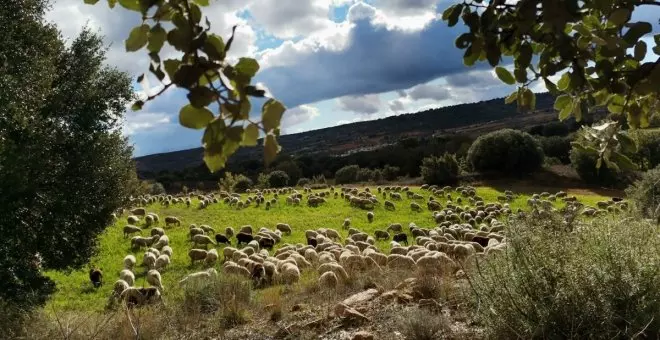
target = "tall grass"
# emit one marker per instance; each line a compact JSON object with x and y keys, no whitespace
{"x":599,"y":281}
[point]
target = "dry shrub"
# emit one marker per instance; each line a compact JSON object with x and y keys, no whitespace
{"x":421,"y":324}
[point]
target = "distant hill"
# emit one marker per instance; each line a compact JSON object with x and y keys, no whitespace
{"x":353,"y":137}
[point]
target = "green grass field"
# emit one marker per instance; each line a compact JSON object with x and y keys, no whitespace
{"x":75,"y":291}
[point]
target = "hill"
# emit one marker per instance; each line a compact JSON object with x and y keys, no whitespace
{"x":343,"y":139}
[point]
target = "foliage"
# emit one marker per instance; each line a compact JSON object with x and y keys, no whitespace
{"x":648,"y":148}
{"x":598,"y":281}
{"x":291,"y":169}
{"x":421,"y":324}
{"x":278,"y":179}
{"x":242,"y":184}
{"x":391,"y":173}
{"x":364,"y":175}
{"x":156,"y":189}
{"x":227,"y":182}
{"x":262,"y":181}
{"x":557,"y":147}
{"x":377,"y":176}
{"x":645,"y":194}
{"x":586,"y":42}
{"x":303,"y":182}
{"x":506,"y":151}
{"x":347,"y":174}
{"x":64,"y":166}
{"x":440,"y":170}
{"x":202,"y":68}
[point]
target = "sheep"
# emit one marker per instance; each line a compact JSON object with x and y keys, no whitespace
{"x":129,"y":261}
{"x":332,"y":234}
{"x":359,"y":237}
{"x":118,"y":287}
{"x":206,"y":274}
{"x":207,"y":229}
{"x":96,"y":277}
{"x":157,"y":231}
{"x":379,"y":234}
{"x":127,"y":276}
{"x":437,"y":263}
{"x":196,"y":255}
{"x":389,"y":205}
{"x":415,"y":207}
{"x":138,"y":242}
{"x":148,"y":220}
{"x":283,"y":227}
{"x":266,"y":243}
{"x":162,"y":242}
{"x":401,"y":238}
{"x":289,"y":273}
{"x":370,"y":216}
{"x":140,"y":296}
{"x":246,"y":229}
{"x":167,"y":250}
{"x":172,"y":220}
{"x":396,"y":261}
{"x":395,"y":227}
{"x":328,"y":280}
{"x":211,"y":258}
{"x":130,"y":229}
{"x":162,"y":262}
{"x":229,"y":232}
{"x":153,"y":278}
{"x":149,"y":260}
{"x":242,"y":237}
{"x":346,"y":224}
{"x":132,"y":219}
{"x":203,"y":240}
{"x":219,"y":238}
{"x":237,"y":270}
{"x":139,"y":211}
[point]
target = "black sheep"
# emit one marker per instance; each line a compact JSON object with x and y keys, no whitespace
{"x":219,"y":238}
{"x":483,"y":241}
{"x":311,"y":242}
{"x":401,"y":237}
{"x":266,"y":243}
{"x":96,"y":276}
{"x":244,"y":238}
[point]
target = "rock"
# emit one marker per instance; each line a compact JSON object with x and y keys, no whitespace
{"x":346,"y":312}
{"x":404,"y":298}
{"x":358,"y":298}
{"x":363,"y":335}
{"x":390,"y":294}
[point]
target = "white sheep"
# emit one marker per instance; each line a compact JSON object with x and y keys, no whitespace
{"x":167,"y":250}
{"x":139,"y":241}
{"x":162,"y":242}
{"x":203,"y":240}
{"x":157,"y":231}
{"x":154,"y":251}
{"x":129,"y":261}
{"x":283,"y":227}
{"x":131,"y":229}
{"x":172,"y":220}
{"x":334,"y":267}
{"x":333,"y":234}
{"x":139,"y":211}
{"x":211,"y":258}
{"x":153,"y":277}
{"x":247,"y":229}
{"x":132,"y":219}
{"x":127,"y":276}
{"x":149,"y":260}
{"x":207,"y":229}
{"x":206,"y":274}
{"x":328,"y":280}
{"x":196,"y":255}
{"x":229,"y":232}
{"x":236,"y":270}
{"x":162,"y":262}
{"x":289,"y":273}
{"x":347,"y":223}
{"x":396,"y":261}
{"x":119,"y":286}
{"x":370,"y":216}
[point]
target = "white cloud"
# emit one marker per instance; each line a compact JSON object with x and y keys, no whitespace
{"x":366,"y":104}
{"x":292,"y":18}
{"x":429,"y":91}
{"x":138,"y":122}
{"x":299,"y":115}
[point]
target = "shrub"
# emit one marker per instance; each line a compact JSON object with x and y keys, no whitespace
{"x":291,"y":169}
{"x":421,"y":324}
{"x":227,"y":295}
{"x":645,"y":193}
{"x":596,"y":280}
{"x":391,"y":173}
{"x":556,"y":146}
{"x":347,"y":174}
{"x":364,"y":175}
{"x":241,"y":184}
{"x":506,"y":151}
{"x":584,"y":162}
{"x":156,"y":189}
{"x":648,"y":144}
{"x":262,"y":181}
{"x":278,"y":179}
{"x":440,"y":170}
{"x":303,"y":182}
{"x":377,"y":176}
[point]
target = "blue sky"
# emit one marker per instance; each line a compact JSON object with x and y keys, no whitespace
{"x":330,"y":61}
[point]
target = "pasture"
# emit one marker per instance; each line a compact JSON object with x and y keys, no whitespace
{"x":76,"y":293}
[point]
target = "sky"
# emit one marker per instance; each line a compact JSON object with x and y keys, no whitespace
{"x":331,"y":62}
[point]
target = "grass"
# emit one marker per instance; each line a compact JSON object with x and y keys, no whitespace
{"x":75,"y":292}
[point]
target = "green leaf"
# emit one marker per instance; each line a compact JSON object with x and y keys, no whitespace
{"x":91,"y":2}
{"x":504,"y":75}
{"x":214,"y":47}
{"x":271,"y":114}
{"x":112,"y":3}
{"x":619,"y":16}
{"x":524,"y":56}
{"x":271,"y":148}
{"x":137,"y":106}
{"x":628,"y":144}
{"x":251,"y":135}
{"x":640,"y":50}
{"x":636,"y":31}
{"x":171,"y":66}
{"x":247,"y":67}
{"x":137,"y":38}
{"x":214,"y":162}
{"x":253,"y":91}
{"x":202,"y":2}
{"x":133,"y":5}
{"x":157,"y":37}
{"x":564,"y":81}
{"x":201,"y":96}
{"x":235,"y":133}
{"x":622,"y":161}
{"x":552,"y":88}
{"x":511,"y":98}
{"x":562,"y":101}
{"x":452,"y":17}
{"x":195,"y":118}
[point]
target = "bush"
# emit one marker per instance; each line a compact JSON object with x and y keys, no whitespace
{"x":303,"y":182}
{"x":391,"y":173}
{"x":229,"y":296}
{"x":645,"y":193}
{"x":648,"y":145}
{"x":242,"y":184}
{"x":291,"y":169}
{"x":364,"y":175}
{"x":584,"y":163}
{"x":596,"y":280}
{"x":262,"y":181}
{"x":440,"y":170}
{"x":420,"y":324}
{"x":347,"y":174}
{"x":156,"y":189}
{"x":556,"y":146}
{"x":377,"y":176}
{"x":506,"y":151}
{"x":278,"y":179}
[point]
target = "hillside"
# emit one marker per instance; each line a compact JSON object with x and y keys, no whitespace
{"x":352,"y":137}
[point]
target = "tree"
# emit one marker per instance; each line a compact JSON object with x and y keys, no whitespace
{"x":292,"y":170}
{"x":440,"y":170}
{"x":278,"y":179}
{"x":584,"y":42}
{"x":347,"y":174}
{"x":64,"y":166}
{"x":202,"y":69}
{"x":506,"y":151}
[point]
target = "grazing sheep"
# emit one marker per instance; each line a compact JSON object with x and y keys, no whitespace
{"x":167,"y":250}
{"x":132,"y":219}
{"x":246,"y":229}
{"x":140,"y":296}
{"x":359,"y":237}
{"x":96,"y":277}
{"x":149,"y":260}
{"x":169,"y":220}
{"x":266,"y":243}
{"x":396,"y":261}
{"x":283,"y":227}
{"x":196,"y":255}
{"x":139,"y":241}
{"x":211,"y":258}
{"x":127,"y":276}
{"x":118,"y":287}
{"x":206,"y":274}
{"x":131,"y":229}
{"x":289,"y":273}
{"x":242,"y":237}
{"x":207,"y":229}
{"x":395,"y":227}
{"x":157,"y":231}
{"x":129,"y":261}
{"x":370,"y":216}
{"x":346,"y":224}
{"x":203,"y":240}
{"x":234,"y":269}
{"x":415,"y":207}
{"x":139,"y":211}
{"x":332,"y":234}
{"x":219,"y":238}
{"x":229,"y":232}
{"x":162,"y":262}
{"x":162,"y":242}
{"x":389,"y":205}
{"x":379,"y":234}
{"x":401,"y":238}
{"x":153,"y":278}
{"x":328,"y":280}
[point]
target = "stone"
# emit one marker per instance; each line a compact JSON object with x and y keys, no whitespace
{"x":361,"y":297}
{"x":363,"y":335}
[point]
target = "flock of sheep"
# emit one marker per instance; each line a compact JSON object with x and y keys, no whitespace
{"x":466,"y":227}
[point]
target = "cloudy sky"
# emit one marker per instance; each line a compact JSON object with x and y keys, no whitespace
{"x":331,"y":62}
